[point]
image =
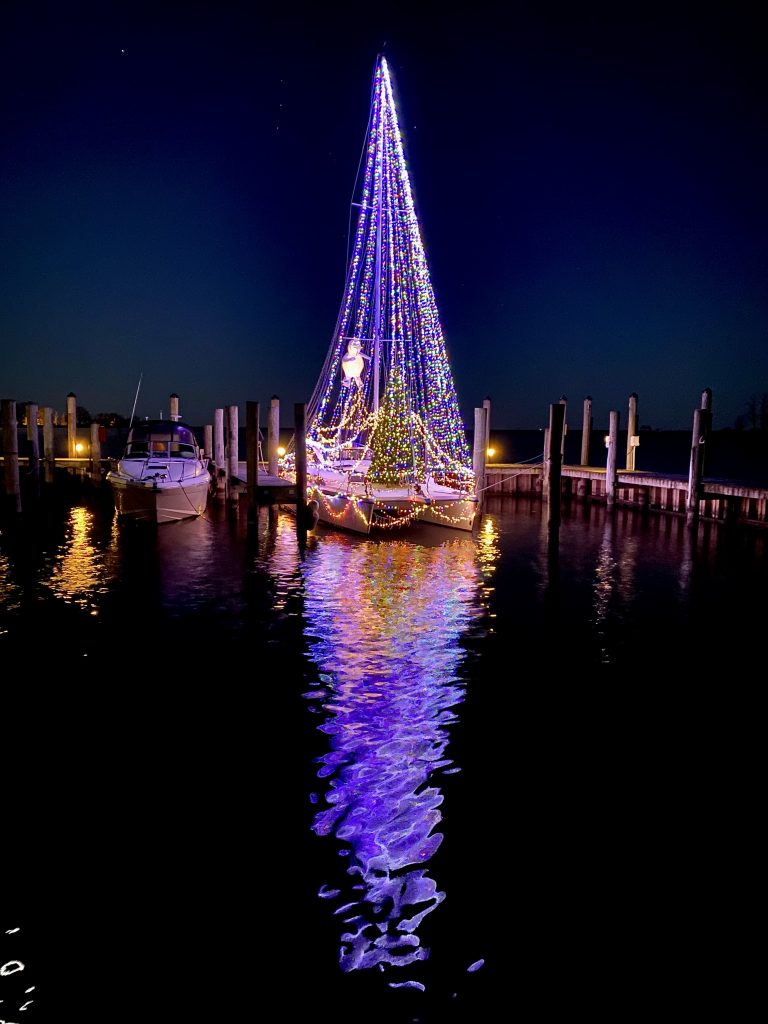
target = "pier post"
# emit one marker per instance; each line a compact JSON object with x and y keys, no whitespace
{"x":610,"y":466}
{"x":694,"y":469}
{"x":49,"y":448}
{"x":479,"y":449}
{"x":252,"y":454}
{"x":232,"y":443}
{"x":208,"y":441}
{"x":564,"y":430}
{"x":218,"y":449}
{"x":487,"y":407}
{"x":10,"y":455}
{"x":706,"y":424}
{"x":553,"y":461}
{"x":632,"y":437}
{"x":95,"y":450}
{"x":273,"y":434}
{"x":300,"y":422}
{"x":173,"y":406}
{"x":586,"y":430}
{"x":71,"y":425}
{"x":33,"y":436}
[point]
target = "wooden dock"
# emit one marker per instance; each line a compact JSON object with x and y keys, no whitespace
{"x":718,"y":500}
{"x":256,"y":480}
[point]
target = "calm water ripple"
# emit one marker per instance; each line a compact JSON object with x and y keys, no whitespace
{"x":435,"y":773}
{"x":385,"y":620}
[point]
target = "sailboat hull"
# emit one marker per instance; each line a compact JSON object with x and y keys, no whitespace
{"x":344,"y":511}
{"x":387,"y":511}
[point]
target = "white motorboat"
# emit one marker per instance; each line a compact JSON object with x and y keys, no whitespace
{"x":162,"y":475}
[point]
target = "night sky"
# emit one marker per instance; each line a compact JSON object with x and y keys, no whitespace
{"x":176,"y":181}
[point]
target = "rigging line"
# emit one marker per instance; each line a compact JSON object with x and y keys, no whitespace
{"x":133,"y":410}
{"x":363,"y":149}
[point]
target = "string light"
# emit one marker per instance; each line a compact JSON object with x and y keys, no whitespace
{"x":409,"y":435}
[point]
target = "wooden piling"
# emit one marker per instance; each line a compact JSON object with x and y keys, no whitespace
{"x":273,"y":434}
{"x":564,"y":430}
{"x":300,"y":426}
{"x":232,"y":443}
{"x":173,"y":406}
{"x":611,"y":462}
{"x":631,"y":432}
{"x":479,"y":449}
{"x":49,"y":452}
{"x":586,"y":430}
{"x":10,"y":455}
{"x":208,"y":441}
{"x":33,"y":436}
{"x":553,"y":461}
{"x":706,"y":425}
{"x":95,"y":450}
{"x":252,"y":450}
{"x":71,"y":425}
{"x":218,"y":449}
{"x":694,"y":469}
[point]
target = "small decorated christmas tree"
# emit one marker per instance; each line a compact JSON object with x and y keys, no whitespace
{"x":397,"y":456}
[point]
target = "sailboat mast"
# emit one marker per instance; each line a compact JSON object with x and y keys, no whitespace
{"x":377,"y":205}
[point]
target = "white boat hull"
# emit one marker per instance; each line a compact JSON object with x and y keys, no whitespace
{"x":159,"y":502}
{"x":388,"y":509}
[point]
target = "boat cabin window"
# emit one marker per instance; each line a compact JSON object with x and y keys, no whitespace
{"x":156,"y":440}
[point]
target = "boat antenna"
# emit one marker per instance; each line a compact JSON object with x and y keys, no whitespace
{"x":133,"y":410}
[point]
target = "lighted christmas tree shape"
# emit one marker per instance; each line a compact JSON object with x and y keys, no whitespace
{"x":397,"y":457}
{"x":389,"y":307}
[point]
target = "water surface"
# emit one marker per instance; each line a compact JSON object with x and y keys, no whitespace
{"x":392,"y":779}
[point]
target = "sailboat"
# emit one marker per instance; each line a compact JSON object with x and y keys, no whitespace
{"x":385,"y":443}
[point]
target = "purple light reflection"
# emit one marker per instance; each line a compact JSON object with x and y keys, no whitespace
{"x":385,"y":619}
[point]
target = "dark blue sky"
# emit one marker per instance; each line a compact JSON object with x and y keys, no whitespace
{"x":591,"y":182}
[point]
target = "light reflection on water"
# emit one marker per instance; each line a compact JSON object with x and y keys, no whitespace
{"x":385,"y":620}
{"x":385,"y":639}
{"x":79,"y":569}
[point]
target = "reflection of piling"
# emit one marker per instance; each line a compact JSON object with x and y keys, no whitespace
{"x":553,"y":461}
{"x":610,"y":465}
{"x":300,"y":419}
{"x":11,"y":455}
